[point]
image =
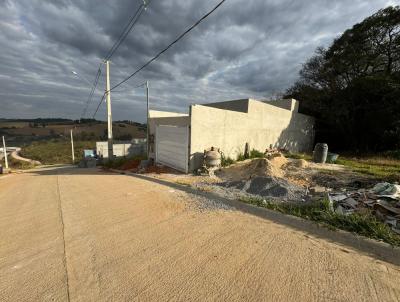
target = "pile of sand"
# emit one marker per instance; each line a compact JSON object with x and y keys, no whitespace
{"x":251,"y":168}
{"x":262,"y":177}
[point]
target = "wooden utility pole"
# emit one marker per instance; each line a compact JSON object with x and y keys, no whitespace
{"x":72,"y":148}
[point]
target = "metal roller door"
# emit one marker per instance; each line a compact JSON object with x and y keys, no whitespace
{"x":172,"y":146}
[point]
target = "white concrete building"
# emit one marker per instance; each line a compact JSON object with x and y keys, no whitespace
{"x":178,"y":140}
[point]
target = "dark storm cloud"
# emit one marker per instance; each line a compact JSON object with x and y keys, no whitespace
{"x":249,"y":48}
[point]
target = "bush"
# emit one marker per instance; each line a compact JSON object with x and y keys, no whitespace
{"x":226,"y":161}
{"x":241,"y":157}
{"x":256,"y":154}
{"x":121,"y":161}
{"x":392,"y":154}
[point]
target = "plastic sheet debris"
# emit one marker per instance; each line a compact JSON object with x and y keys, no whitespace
{"x":385,"y":189}
{"x":383,"y":201}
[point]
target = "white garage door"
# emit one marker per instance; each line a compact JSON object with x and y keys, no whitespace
{"x":172,"y":146}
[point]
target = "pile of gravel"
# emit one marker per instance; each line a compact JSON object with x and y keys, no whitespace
{"x":268,"y":186}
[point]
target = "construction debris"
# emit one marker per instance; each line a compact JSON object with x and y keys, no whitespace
{"x":383,"y":201}
{"x":272,"y":152}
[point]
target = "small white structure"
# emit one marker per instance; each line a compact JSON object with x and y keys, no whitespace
{"x":179,"y":140}
{"x":132,"y":148}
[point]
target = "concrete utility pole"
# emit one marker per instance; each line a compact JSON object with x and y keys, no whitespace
{"x":109,"y":115}
{"x":148,"y":115}
{"x":72,"y":148}
{"x":5,"y":153}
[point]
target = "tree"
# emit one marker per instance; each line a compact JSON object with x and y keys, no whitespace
{"x":353,"y":87}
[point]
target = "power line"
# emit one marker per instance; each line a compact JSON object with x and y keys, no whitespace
{"x":161,"y":52}
{"x":169,"y":46}
{"x":130,"y":88}
{"x":96,"y":81}
{"x":102,"y":98}
{"x":128,"y":27}
{"x":98,"y":106}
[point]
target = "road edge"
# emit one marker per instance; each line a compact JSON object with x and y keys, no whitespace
{"x":371,"y":247}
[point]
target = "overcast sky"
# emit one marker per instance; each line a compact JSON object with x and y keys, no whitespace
{"x":251,"y":48}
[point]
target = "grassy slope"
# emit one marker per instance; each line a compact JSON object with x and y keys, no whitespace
{"x":380,"y":167}
{"x":56,"y":152}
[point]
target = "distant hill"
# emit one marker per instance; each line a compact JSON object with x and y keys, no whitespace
{"x":25,"y":131}
{"x":44,"y":120}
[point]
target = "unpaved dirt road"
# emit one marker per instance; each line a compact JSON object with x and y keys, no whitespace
{"x":83,"y":235}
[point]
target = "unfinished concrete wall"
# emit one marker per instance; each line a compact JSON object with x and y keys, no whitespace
{"x":165,"y":117}
{"x":289,"y":104}
{"x":262,"y":126}
{"x":236,"y":105}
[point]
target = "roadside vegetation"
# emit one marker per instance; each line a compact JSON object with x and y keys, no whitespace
{"x":380,"y":167}
{"x":384,"y":166}
{"x":17,"y":164}
{"x":362,"y":224}
{"x":56,"y":151}
{"x":124,"y":163}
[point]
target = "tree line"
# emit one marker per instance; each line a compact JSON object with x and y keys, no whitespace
{"x":353,"y":86}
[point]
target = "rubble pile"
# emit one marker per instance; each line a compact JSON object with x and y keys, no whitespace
{"x":383,"y":200}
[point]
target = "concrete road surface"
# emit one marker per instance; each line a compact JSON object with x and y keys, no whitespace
{"x":83,"y":235}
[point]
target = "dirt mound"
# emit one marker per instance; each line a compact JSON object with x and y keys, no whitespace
{"x":252,"y":168}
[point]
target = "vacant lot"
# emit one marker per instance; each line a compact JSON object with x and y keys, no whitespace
{"x":56,"y":151}
{"x":82,"y":235}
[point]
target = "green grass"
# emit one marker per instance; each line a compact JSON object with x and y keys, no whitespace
{"x":377,"y":166}
{"x":256,"y":154}
{"x":227,"y":161}
{"x":304,"y":156}
{"x":56,"y":152}
{"x":385,"y":166}
{"x":363,"y":224}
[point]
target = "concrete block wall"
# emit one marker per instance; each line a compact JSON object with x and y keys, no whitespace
{"x":263,"y":125}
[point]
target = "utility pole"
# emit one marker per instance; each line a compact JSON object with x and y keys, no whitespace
{"x":5,"y":152}
{"x":72,"y":148}
{"x":109,"y":115}
{"x":148,"y":115}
